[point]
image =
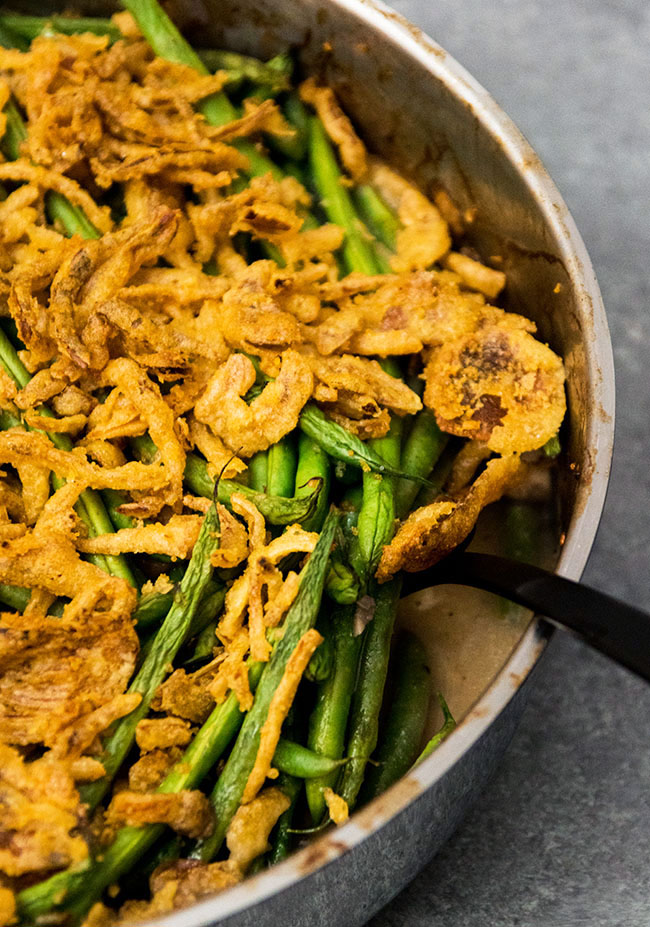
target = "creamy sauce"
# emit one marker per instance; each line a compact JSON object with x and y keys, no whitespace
{"x":469,"y":634}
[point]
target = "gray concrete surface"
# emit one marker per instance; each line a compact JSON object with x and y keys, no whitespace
{"x":561,"y":838}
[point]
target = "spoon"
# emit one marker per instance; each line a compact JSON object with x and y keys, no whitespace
{"x":618,"y":630}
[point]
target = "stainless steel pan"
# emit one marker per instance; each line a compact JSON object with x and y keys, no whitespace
{"x":417,"y":107}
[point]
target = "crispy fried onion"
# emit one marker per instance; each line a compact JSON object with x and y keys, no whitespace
{"x":362,"y":386}
{"x":154,"y":733}
{"x":90,"y":273}
{"x":280,"y":705}
{"x":433,"y":531}
{"x":180,"y":884}
{"x":176,"y":538}
{"x":233,"y":541}
{"x":273,"y":414}
{"x":337,"y":806}
{"x":148,"y":772}
{"x":44,"y":179}
{"x":262,"y":575}
{"x":18,"y":447}
{"x":396,"y":314}
{"x":425,"y":238}
{"x":134,"y":383}
{"x":221,"y":461}
{"x":249,"y":830}
{"x":498,"y":384}
{"x":265,"y":209}
{"x":184,"y":696}
{"x":56,"y":670}
{"x":475,"y":275}
{"x":338,"y":127}
{"x":39,"y":815}
{"x":125,"y":113}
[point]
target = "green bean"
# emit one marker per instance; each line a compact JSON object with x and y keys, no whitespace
{"x":335,"y":200}
{"x":281,"y":840}
{"x":167,"y":641}
{"x":352,"y":501}
{"x":302,"y":615}
{"x":15,"y":131}
{"x":113,"y":499}
{"x":301,"y":762}
{"x":408,"y":707}
{"x":15,"y":597}
{"x":376,"y":522}
{"x":75,"y":891}
{"x":328,"y":721}
{"x":553,"y":448}
{"x":342,"y":584}
{"x":167,"y":42}
{"x":11,"y":39}
{"x":281,"y":467}
{"x":151,"y":608}
{"x":380,"y":219}
{"x":343,"y":445}
{"x":523,"y":532}
{"x":448,"y":726}
{"x":274,"y":73}
{"x":369,"y":691}
{"x":438,"y":478}
{"x":298,"y":117}
{"x":321,"y":663}
{"x":277,"y":510}
{"x":422,"y":449}
{"x":206,"y":641}
{"x":30,"y":27}
{"x":71,"y":218}
{"x":258,"y":467}
{"x":522,"y":541}
{"x":313,"y":463}
{"x":293,"y":147}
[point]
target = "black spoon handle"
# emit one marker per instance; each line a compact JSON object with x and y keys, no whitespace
{"x":618,"y":630}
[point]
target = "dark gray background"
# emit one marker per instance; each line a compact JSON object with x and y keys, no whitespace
{"x":561,"y":838}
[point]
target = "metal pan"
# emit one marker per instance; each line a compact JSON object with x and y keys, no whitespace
{"x":422,"y":111}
